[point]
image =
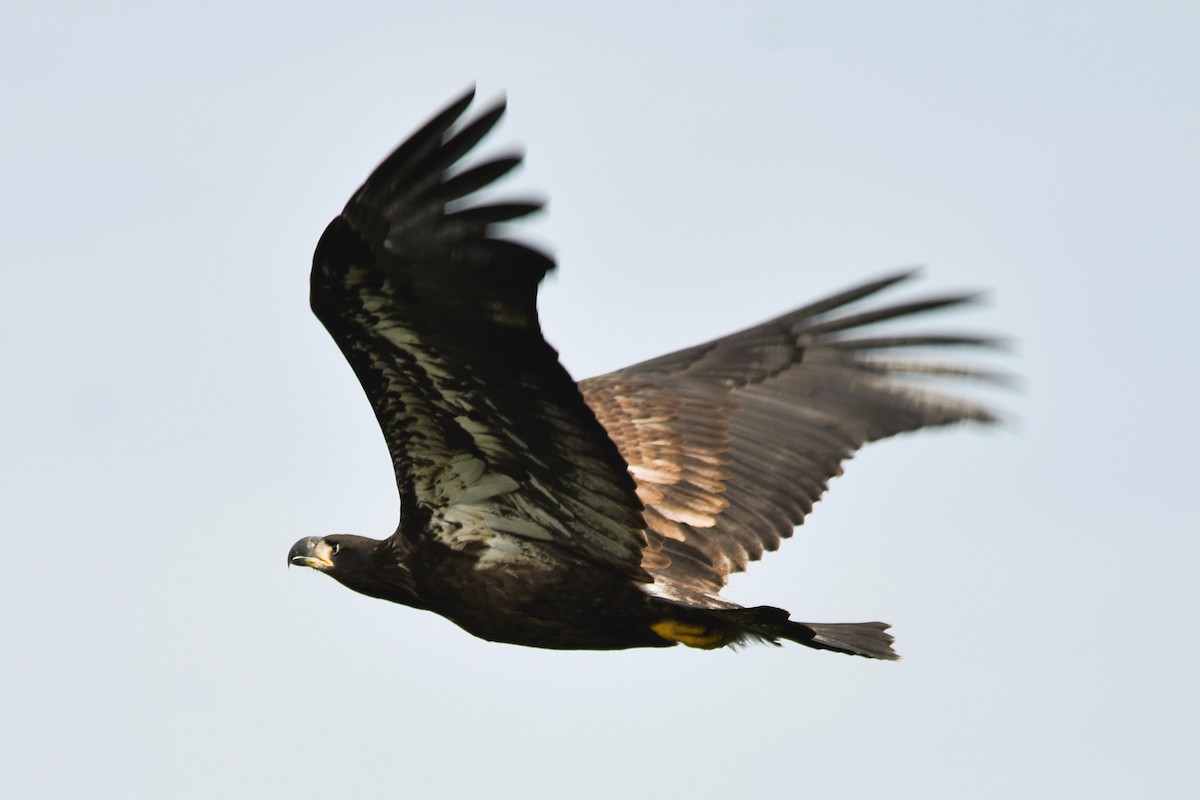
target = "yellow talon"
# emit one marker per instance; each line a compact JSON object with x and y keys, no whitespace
{"x":689,"y":634}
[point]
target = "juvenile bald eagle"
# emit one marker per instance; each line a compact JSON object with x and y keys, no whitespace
{"x":596,"y":515}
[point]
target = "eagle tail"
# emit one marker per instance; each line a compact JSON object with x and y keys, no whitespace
{"x":769,"y":624}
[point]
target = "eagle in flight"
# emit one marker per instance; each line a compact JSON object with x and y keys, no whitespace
{"x":603,"y":514}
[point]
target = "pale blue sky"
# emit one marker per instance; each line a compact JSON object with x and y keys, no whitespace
{"x":174,"y":418}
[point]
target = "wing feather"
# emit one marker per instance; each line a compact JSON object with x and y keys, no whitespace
{"x":489,"y":436}
{"x":733,"y":441}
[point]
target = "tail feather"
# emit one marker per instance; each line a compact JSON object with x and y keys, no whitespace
{"x":867,"y":639}
{"x":765,"y":623}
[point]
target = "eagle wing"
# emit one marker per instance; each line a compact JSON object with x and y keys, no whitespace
{"x":492,"y":444}
{"x":731,"y":442}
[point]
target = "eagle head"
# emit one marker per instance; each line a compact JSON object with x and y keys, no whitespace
{"x":365,"y":565}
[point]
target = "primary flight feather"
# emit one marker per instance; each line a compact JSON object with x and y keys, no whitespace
{"x":602,"y":514}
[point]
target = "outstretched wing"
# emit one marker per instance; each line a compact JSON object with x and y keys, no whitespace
{"x":731,"y":442}
{"x":490,"y":438}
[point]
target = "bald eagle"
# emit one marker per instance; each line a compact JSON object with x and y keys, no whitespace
{"x":603,"y":514}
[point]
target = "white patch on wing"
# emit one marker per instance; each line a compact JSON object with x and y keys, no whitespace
{"x":506,"y":552}
{"x":500,"y":549}
{"x":482,"y":487}
{"x":484,"y":436}
{"x":468,"y":470}
{"x":482,"y":521}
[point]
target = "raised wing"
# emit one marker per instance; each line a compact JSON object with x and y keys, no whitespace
{"x":731,"y":442}
{"x":437,"y":316}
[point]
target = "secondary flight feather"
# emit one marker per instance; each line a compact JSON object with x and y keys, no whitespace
{"x":603,"y":514}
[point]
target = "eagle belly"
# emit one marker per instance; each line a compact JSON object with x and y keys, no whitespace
{"x":536,"y":594}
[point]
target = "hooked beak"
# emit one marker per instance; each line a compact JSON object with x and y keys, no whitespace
{"x":312,"y":552}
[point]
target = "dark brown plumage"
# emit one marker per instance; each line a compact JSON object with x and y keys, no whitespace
{"x":599,"y":515}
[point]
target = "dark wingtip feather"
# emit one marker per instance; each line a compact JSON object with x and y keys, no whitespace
{"x":496,"y":212}
{"x":855,"y":293}
{"x":470,"y":135}
{"x":921,"y":340}
{"x":428,"y":137}
{"x":891,"y":312}
{"x":475,"y":178}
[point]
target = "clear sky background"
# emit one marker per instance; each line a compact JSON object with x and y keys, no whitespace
{"x":174,"y":418}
